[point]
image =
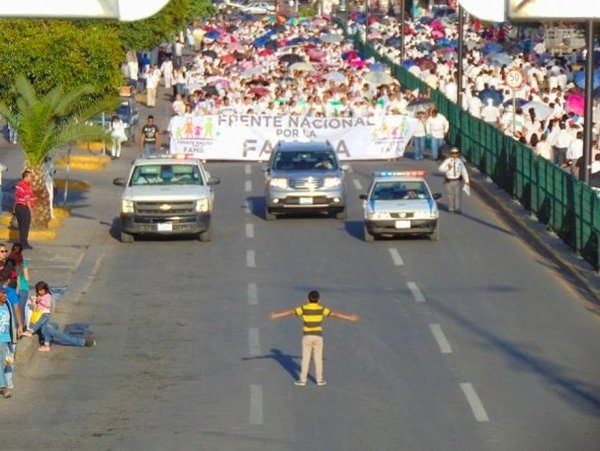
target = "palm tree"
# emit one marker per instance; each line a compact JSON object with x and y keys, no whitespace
{"x":46,"y":122}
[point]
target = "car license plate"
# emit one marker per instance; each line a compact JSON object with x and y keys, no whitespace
{"x":164,"y":227}
{"x":305,"y":201}
{"x":402,"y":224}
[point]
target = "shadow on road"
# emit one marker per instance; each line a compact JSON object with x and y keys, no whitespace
{"x":287,"y":362}
{"x":580,"y":394}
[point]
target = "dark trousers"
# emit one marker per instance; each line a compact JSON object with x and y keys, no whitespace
{"x":24,"y":219}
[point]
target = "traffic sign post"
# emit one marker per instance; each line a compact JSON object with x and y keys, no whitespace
{"x":514,"y":79}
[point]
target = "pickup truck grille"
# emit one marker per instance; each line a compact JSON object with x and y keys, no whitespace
{"x":165,"y":208}
{"x":402,"y":215}
{"x":306,"y":184}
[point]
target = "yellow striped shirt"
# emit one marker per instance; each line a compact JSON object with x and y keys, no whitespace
{"x":312,"y":315}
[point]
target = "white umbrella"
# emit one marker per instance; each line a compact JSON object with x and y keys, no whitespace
{"x":302,"y":67}
{"x":249,"y":73}
{"x":332,"y":38}
{"x":542,"y":111}
{"x":336,"y":77}
{"x":379,"y":78}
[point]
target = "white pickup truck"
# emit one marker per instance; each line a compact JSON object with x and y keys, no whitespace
{"x":166,"y":195}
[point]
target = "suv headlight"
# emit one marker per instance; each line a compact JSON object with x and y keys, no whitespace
{"x":332,"y":182}
{"x":126,"y":206}
{"x":378,"y":215}
{"x":202,"y":205}
{"x":279,"y":182}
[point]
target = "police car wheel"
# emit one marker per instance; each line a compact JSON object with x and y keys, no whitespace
{"x":369,"y":238}
{"x":435,"y":235}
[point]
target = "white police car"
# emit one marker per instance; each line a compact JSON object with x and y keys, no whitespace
{"x":400,"y":203}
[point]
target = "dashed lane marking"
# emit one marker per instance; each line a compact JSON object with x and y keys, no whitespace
{"x":397,"y":259}
{"x":440,"y":338}
{"x":256,"y":405}
{"x":248,"y":205}
{"x":357,"y":184}
{"x":248,"y":186}
{"x":474,"y":402}
{"x":247,"y":169}
{"x":250,"y":259}
{"x":253,"y":342}
{"x":249,"y":230}
{"x":416,"y":292}
{"x":252,"y":294}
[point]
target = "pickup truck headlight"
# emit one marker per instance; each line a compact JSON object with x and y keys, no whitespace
{"x":126,"y":206}
{"x":202,"y":205}
{"x":279,"y":182}
{"x":425,"y":215}
{"x":332,"y":182}
{"x":378,"y":215}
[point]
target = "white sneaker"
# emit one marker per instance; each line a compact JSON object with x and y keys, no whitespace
{"x":321,"y":383}
{"x":300,"y":383}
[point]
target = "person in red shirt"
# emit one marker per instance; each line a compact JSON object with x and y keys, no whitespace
{"x":24,"y":200}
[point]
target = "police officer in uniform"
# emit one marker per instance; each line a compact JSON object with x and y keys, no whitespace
{"x":455,"y":175}
{"x":149,"y":137}
{"x":312,"y":314}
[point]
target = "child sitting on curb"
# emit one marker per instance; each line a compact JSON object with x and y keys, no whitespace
{"x":41,"y":306}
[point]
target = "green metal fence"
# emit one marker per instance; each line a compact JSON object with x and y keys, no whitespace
{"x":566,"y":205}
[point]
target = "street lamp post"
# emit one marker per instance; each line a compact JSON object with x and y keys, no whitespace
{"x":402,"y":18}
{"x":461,"y":54}
{"x":589,"y":99}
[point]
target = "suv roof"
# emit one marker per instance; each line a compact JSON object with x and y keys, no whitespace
{"x":293,"y":146}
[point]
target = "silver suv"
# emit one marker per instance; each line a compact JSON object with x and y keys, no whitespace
{"x":166,"y":195}
{"x":304,"y":177}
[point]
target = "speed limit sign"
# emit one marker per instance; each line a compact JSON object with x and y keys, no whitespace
{"x":514,"y":79}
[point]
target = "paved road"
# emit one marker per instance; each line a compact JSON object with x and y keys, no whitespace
{"x":472,"y":342}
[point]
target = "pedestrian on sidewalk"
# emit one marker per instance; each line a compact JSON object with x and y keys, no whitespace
{"x":24,"y":200}
{"x":437,"y":127}
{"x":41,"y":306}
{"x":149,"y":138}
{"x":455,"y":178}
{"x":118,"y":136}
{"x":8,"y":340}
{"x":9,"y":281}
{"x":16,"y":254}
{"x":312,"y":314}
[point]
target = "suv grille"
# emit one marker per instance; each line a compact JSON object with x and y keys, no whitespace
{"x":306,"y":184}
{"x":164,"y":208}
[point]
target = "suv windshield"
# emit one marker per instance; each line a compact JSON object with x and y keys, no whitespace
{"x":166,"y":174}
{"x":304,"y":161}
{"x":399,"y":191}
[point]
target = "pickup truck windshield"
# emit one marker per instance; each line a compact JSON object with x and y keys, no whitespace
{"x":166,"y":174}
{"x":304,"y":161}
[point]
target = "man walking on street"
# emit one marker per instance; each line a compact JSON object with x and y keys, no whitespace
{"x":313,"y":314}
{"x":149,"y":139}
{"x":437,"y":127}
{"x":455,"y":174}
{"x":24,"y":200}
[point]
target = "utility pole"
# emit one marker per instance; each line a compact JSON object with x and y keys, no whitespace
{"x":589,"y":104}
{"x":461,"y":54}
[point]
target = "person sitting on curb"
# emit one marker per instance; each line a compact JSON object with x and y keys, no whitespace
{"x":8,"y":340}
{"x":40,"y":321}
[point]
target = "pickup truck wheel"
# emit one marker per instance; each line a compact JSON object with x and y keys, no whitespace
{"x":126,"y":237}
{"x":269,"y":216}
{"x":435,"y":235}
{"x":342,"y":215}
{"x":368,"y":237}
{"x":205,"y":236}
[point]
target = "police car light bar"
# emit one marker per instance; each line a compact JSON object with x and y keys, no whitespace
{"x":400,"y":174}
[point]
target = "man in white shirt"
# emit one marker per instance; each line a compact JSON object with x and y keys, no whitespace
{"x":490,"y":113}
{"x":544,"y":148}
{"x":474,"y":104}
{"x":437,"y":127}
{"x":574,"y":153}
{"x":561,"y":143}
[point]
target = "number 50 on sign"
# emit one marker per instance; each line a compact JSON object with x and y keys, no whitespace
{"x":514,"y":79}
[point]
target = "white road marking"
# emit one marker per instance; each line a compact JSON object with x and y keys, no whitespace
{"x":396,"y":257}
{"x":357,"y":184}
{"x":250,"y":259}
{"x":247,"y":169}
{"x":250,"y":230}
{"x":252,"y":294}
{"x":416,"y":292}
{"x":439,"y":336}
{"x":350,"y":169}
{"x":249,"y":206}
{"x":256,"y":404}
{"x":248,"y":186}
{"x":474,"y":402}
{"x":253,"y":342}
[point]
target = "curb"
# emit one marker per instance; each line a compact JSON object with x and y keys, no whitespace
{"x":84,"y":162}
{"x":53,"y":224}
{"x":61,"y":212}
{"x":93,"y":146}
{"x":34,"y":235}
{"x":74,"y":185}
{"x":533,"y":237}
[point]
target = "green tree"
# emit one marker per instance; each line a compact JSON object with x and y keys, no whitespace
{"x":200,"y":9}
{"x":60,"y":52}
{"x":45,"y":122}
